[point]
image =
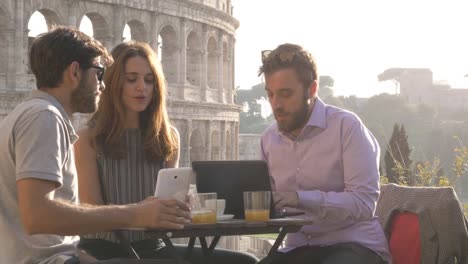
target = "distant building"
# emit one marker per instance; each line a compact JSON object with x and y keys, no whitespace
{"x":249,"y":146}
{"x":417,"y":86}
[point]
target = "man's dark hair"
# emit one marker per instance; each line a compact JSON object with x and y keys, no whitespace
{"x":52,"y":52}
{"x":292,"y":56}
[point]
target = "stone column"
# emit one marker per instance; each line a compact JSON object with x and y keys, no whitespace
{"x":208,"y":141}
{"x":235,"y":147}
{"x":231,"y":128}
{"x":181,"y":126}
{"x":109,"y":42}
{"x":221,"y":97}
{"x":223,"y":140}
{"x":231,"y":72}
{"x":228,"y":7}
{"x":182,"y":64}
{"x":117,"y":26}
{"x":19,"y":48}
{"x":11,"y":59}
{"x":187,"y":134}
{"x":204,"y":64}
{"x":153,"y":32}
{"x":73,"y":14}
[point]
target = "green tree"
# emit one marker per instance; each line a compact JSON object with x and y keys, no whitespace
{"x":405,"y":152}
{"x":389,"y":156}
{"x":325,"y":87}
{"x":397,"y":157}
{"x":251,"y":120}
{"x":392,"y":74}
{"x":256,"y":92}
{"x":349,"y":103}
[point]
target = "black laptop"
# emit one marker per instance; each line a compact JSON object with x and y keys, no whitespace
{"x":230,"y":178}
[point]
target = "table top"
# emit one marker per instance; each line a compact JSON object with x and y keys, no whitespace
{"x":231,"y":227}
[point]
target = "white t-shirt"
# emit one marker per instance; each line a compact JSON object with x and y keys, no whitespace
{"x":36,"y":141}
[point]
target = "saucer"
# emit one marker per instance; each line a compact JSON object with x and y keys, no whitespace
{"x":224,"y":217}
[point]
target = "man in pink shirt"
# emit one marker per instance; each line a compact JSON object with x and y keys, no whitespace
{"x":322,"y":160}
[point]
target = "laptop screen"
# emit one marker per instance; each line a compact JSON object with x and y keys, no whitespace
{"x":230,"y":178}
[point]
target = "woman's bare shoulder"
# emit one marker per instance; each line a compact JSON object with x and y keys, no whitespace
{"x":84,"y":131}
{"x":84,"y":136}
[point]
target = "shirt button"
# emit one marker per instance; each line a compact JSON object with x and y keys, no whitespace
{"x":309,"y":237}
{"x":298,"y":169}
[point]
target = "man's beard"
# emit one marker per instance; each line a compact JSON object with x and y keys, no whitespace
{"x":295,"y":119}
{"x":84,"y":98}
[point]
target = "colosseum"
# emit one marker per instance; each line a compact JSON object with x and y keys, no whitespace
{"x":194,"y":39}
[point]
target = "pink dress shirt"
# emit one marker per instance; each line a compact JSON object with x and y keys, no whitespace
{"x":333,"y":165}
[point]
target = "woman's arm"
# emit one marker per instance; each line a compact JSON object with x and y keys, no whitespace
{"x":173,"y":162}
{"x":89,"y":186}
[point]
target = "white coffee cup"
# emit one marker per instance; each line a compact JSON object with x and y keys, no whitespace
{"x":220,"y":205}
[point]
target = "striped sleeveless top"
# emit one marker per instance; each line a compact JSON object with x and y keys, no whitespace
{"x":127,"y":180}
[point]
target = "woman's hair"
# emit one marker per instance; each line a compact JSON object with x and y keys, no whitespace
{"x":107,"y":124}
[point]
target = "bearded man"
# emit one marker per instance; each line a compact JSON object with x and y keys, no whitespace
{"x":323,"y":161}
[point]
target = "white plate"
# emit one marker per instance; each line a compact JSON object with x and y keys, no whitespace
{"x":224,"y":217}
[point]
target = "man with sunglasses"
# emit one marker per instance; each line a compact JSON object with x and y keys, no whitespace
{"x":40,"y":214}
{"x":323,"y":161}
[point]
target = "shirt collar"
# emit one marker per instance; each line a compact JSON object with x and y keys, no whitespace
{"x":318,"y":117}
{"x":52,"y":100}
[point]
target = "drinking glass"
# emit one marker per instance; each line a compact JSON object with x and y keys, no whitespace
{"x":257,"y":205}
{"x":203,"y":208}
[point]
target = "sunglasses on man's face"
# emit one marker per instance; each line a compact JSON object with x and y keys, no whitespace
{"x":283,"y":56}
{"x":100,"y":71}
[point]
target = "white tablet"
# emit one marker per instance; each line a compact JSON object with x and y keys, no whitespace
{"x":173,"y":183}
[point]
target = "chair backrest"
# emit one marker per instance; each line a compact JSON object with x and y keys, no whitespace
{"x":443,"y":231}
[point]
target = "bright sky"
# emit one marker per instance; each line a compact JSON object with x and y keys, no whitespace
{"x":354,"y":41}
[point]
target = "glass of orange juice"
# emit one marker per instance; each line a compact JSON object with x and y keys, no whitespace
{"x":257,"y":206}
{"x":203,"y":211}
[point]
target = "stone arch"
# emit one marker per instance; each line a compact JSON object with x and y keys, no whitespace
{"x":194,"y":57}
{"x":215,"y":146}
{"x":51,"y":19}
{"x":226,"y":60}
{"x":212,"y":73}
{"x":101,"y":28}
{"x":228,"y":145}
{"x":138,"y":31}
{"x":167,"y":52}
{"x":196,"y":146}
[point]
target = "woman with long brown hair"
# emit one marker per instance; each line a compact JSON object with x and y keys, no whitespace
{"x":124,"y":145}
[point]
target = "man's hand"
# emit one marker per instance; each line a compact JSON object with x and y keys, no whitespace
{"x":285,"y":199}
{"x":157,"y":213}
